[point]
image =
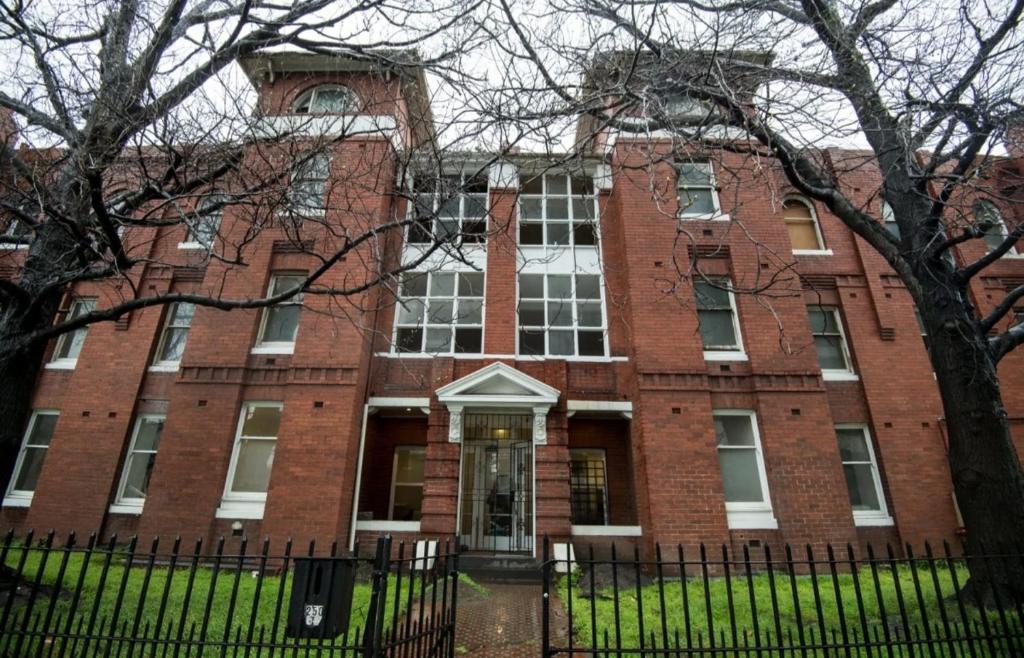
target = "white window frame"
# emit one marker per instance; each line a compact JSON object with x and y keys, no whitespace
{"x":394,"y":474}
{"x":68,"y":363}
{"x":575,"y":327}
{"x":435,"y":218}
{"x":834,"y":374}
{"x":571,"y":219}
{"x":308,"y":97}
{"x":125,"y":504}
{"x":712,"y":185}
{"x":163,"y":365}
{"x":880,"y":517}
{"x":749,"y":516}
{"x":604,"y":489}
{"x":298,"y":170}
{"x":20,"y":497}
{"x":280,"y":346}
{"x":822,"y":249}
{"x":452,"y":326}
{"x":889,"y":219}
{"x":203,"y":213}
{"x":1000,"y":222}
{"x":720,"y":353}
{"x":245,"y":505}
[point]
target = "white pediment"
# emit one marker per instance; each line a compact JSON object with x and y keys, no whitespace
{"x":497,"y":385}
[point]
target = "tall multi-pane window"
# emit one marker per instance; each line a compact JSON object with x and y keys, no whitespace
{"x":719,"y":323}
{"x":996,"y":232}
{"x":695,"y":190}
{"x":279,"y":324}
{"x":204,"y":224}
{"x":452,"y":207}
{"x":69,"y":345}
{"x":308,"y":189}
{"x":744,"y":479}
{"x":588,"y":486}
{"x":889,"y":220}
{"x":31,"y":456}
{"x":561,"y":315}
{"x":138,"y":464}
{"x":174,"y":335}
{"x":863,"y":481}
{"x":802,"y":225}
{"x":558,"y":209}
{"x":440,"y":312}
{"x":830,"y":341}
{"x":407,"y":484}
{"x":252,"y":459}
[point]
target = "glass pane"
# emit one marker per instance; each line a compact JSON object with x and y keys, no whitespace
{"x":182,"y":314}
{"x":531,"y":314}
{"x":556,"y":184}
{"x":42,"y":430}
{"x":583,"y":208}
{"x":794,"y":209}
{"x":558,"y":233}
{"x":449,"y":207}
{"x":830,"y":352}
{"x":252,"y":470}
{"x":534,"y":185}
{"x":407,"y":505}
{"x":710,"y":297}
{"x":588,"y":286}
{"x":734,"y":430}
{"x":531,"y":208}
{"x":414,"y":284}
{"x":852,"y":446}
{"x":31,"y":465}
{"x":591,"y":343}
{"x":261,"y":421}
{"x":717,"y":330}
{"x":471,"y":284}
{"x":696,"y":201}
{"x":447,"y":228}
{"x":410,"y":340}
{"x":561,"y":343}
{"x":475,"y":205}
{"x":531,"y":341}
{"x":584,"y":235}
{"x":410,"y":311}
{"x":442,"y":284}
{"x":439,"y":340}
{"x":559,"y":314}
{"x":474,"y":231}
{"x":468,"y":341}
{"x":559,"y":286}
{"x":282,"y":284}
{"x":331,"y":100}
{"x":823,"y":321}
{"x":409,"y":466}
{"x":694,"y":173}
{"x":861,"y":484}
{"x":471,"y":311}
{"x":740,"y":478}
{"x":558,"y":209}
{"x":174,"y":344}
{"x":282,"y":324}
{"x":420,"y":232}
{"x":802,"y":235}
{"x":148,"y":437}
{"x":531,"y":233}
{"x":588,"y":314}
{"x":531,"y":286}
{"x":582,"y":185}
{"x":440,"y":312}
{"x":71,"y":344}
{"x":136,"y":477}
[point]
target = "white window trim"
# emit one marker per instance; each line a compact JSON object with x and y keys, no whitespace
{"x":67,"y":363}
{"x":454,"y":325}
{"x":571,"y":220}
{"x":719,"y":354}
{"x":235,"y":505}
{"x":717,"y":214}
{"x":277,"y":347}
{"x":436,"y":206}
{"x":124,"y":504}
{"x":881,"y":516}
{"x":394,"y":473}
{"x":750,"y":516}
{"x":824,"y":249}
{"x":19,"y":497}
{"x":847,"y":374}
{"x":813,"y":252}
{"x":163,"y":365}
{"x":574,"y":327}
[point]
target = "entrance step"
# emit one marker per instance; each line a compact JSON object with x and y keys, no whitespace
{"x":500,"y":567}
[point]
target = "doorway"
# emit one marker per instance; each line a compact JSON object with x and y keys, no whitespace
{"x":496,"y":483}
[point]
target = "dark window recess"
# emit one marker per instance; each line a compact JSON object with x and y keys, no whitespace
{"x":531,"y":342}
{"x":591,"y":343}
{"x":410,"y":339}
{"x":468,"y":340}
{"x":588,"y":494}
{"x":474,"y":231}
{"x":584,"y":234}
{"x":531,"y":233}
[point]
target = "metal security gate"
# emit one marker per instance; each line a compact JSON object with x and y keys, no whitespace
{"x":497,"y":483}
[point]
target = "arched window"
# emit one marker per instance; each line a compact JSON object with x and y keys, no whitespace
{"x":802,"y":225}
{"x":325,"y":99}
{"x":996,"y":232}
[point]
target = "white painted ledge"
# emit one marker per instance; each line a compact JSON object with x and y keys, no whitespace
{"x":764,"y":520}
{"x":725,"y":355}
{"x":872,"y":520}
{"x":388,"y":526}
{"x":606,"y":531}
{"x":126,"y":508}
{"x":839,"y":376}
{"x":813,"y":252}
{"x":232,"y":509}
{"x":62,"y":364}
{"x":273,"y":349}
{"x":18,"y":500}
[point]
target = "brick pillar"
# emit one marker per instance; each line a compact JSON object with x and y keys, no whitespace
{"x":440,"y":477}
{"x":551,"y":480}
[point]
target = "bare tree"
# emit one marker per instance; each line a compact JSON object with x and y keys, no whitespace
{"x":928,"y":90}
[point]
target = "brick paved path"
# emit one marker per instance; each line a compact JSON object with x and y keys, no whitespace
{"x":504,"y":623}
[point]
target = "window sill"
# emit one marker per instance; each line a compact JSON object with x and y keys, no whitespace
{"x":18,"y":500}
{"x":126,"y":508}
{"x":13,"y":247}
{"x":706,"y":217}
{"x":839,"y":376}
{"x":724,"y":355}
{"x":190,"y":245}
{"x":606,"y":531}
{"x":68,"y":364}
{"x":872,"y":519}
{"x":164,"y":367}
{"x":751,"y":520}
{"x":813,"y":252}
{"x":238,"y":509}
{"x":273,"y":349}
{"x":388,"y":526}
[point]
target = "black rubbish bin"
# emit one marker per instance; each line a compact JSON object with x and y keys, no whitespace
{"x":321,"y":602}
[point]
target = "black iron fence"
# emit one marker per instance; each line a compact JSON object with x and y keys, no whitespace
{"x":105,"y":599}
{"x":714,"y":602}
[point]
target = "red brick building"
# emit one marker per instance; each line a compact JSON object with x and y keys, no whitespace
{"x":563,"y":378}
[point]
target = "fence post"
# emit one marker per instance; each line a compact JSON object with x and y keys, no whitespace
{"x":455,"y":599}
{"x":546,"y":601}
{"x":378,"y":599}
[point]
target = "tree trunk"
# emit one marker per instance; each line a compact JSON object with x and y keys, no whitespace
{"x":986,"y":470}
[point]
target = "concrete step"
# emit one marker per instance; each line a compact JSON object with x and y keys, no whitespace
{"x":500,"y":567}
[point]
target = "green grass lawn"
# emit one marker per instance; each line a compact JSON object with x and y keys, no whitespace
{"x":138,"y":612}
{"x":596,"y":627}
